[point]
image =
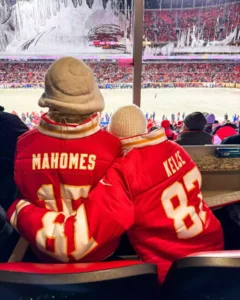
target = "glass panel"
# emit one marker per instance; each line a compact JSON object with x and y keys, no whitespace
{"x":60,"y":27}
{"x":191,"y":60}
{"x":36,"y":32}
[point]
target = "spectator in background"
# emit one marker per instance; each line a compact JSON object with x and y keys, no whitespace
{"x":11,"y":128}
{"x":193,"y":131}
{"x":222,"y":132}
{"x":232,"y":140}
{"x":210,"y":121}
{"x":150,"y":123}
{"x":216,"y":124}
{"x":178,"y":116}
{"x":153,"y":128}
{"x":226,"y":117}
{"x":153,"y":116}
{"x":235,"y":118}
{"x":171,"y":135}
{"x":178,"y":126}
{"x":8,"y":237}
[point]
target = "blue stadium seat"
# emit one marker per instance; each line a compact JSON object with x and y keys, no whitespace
{"x":104,"y":280}
{"x":208,"y":276}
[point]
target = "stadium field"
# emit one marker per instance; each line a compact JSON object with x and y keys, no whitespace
{"x":162,"y":101}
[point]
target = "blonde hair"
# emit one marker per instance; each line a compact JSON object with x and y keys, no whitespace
{"x":64,"y":118}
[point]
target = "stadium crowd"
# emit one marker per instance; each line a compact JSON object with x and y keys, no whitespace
{"x":76,"y":185}
{"x":173,"y":127}
{"x":110,"y":75}
{"x":215,"y":23}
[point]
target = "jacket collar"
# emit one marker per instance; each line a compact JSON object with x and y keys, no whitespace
{"x":68,"y":131}
{"x":148,"y":139}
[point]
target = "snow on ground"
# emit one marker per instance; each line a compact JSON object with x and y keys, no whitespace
{"x":162,"y":101}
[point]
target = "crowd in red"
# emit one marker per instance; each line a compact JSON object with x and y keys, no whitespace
{"x":29,"y":75}
{"x":215,"y":22}
{"x":22,"y":74}
{"x":172,"y":128}
{"x":191,"y":72}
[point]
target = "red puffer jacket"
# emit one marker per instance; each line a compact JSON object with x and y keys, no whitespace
{"x":55,"y":168}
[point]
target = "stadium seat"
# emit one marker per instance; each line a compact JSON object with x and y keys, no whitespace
{"x":103,"y":280}
{"x":209,"y":275}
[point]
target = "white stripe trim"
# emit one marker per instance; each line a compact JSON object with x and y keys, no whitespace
{"x":149,"y":139}
{"x":68,"y":131}
{"x":14,"y":218}
{"x":21,"y":204}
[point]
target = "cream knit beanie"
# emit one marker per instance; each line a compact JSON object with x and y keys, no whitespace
{"x":128,"y":121}
{"x":70,"y":88}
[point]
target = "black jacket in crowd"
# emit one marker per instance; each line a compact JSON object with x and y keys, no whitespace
{"x":194,"y":138}
{"x":208,"y":128}
{"x":232,"y":140}
{"x":8,"y":237}
{"x":11,"y":127}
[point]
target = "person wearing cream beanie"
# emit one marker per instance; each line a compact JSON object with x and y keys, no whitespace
{"x":158,"y":176}
{"x":128,"y":121}
{"x":62,"y":159}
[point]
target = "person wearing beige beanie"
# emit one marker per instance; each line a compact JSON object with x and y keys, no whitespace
{"x":59,"y":162}
{"x":128,"y":121}
{"x":71,"y":93}
{"x":171,"y":220}
{"x":70,"y":88}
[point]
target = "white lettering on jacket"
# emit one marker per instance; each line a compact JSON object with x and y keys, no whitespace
{"x":77,"y":161}
{"x":173,"y":164}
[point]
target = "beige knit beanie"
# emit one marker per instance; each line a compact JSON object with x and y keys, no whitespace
{"x":128,"y":121}
{"x":70,"y":87}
